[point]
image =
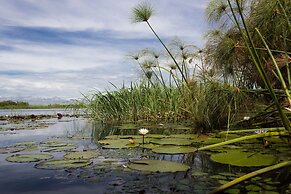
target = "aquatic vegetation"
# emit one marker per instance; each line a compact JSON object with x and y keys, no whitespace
{"x":172,"y":141}
{"x":28,"y":157}
{"x":157,"y":166}
{"x":117,"y":143}
{"x":170,"y":149}
{"x":63,"y":164}
{"x":143,"y":131}
{"x":7,"y":150}
{"x":56,"y":146}
{"x":242,"y":158}
{"x":251,"y":175}
{"x":82,"y":155}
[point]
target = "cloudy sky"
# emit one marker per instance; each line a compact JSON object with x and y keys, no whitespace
{"x":64,"y":48}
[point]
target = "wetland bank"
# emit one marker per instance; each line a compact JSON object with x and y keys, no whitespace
{"x":199,"y":120}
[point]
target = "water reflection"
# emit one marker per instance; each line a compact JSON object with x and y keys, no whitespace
{"x":110,"y":177}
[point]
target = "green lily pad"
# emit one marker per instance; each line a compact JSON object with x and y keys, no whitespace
{"x":157,"y":166}
{"x":253,"y":188}
{"x":199,"y":174}
{"x":26,"y":143}
{"x":117,"y":143}
{"x":184,"y":136}
{"x":7,"y":150}
{"x":61,"y":164}
{"x":59,"y":148}
{"x":31,"y":148}
{"x":123,"y":136}
{"x":157,"y":136}
{"x":81,"y":155}
{"x":172,"y":141}
{"x":150,"y":146}
{"x":170,"y":149}
{"x":28,"y":157}
{"x":55,"y":143}
{"x":232,"y":191}
{"x":240,"y":158}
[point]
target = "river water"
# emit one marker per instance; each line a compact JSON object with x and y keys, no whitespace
{"x":102,"y":178}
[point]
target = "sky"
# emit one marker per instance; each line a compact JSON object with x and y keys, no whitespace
{"x":66,"y":48}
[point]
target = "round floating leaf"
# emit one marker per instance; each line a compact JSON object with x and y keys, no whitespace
{"x":59,"y":148}
{"x":117,"y":143}
{"x":55,"y":143}
{"x":82,"y":155}
{"x":157,"y":166}
{"x":123,"y":136}
{"x":184,"y":136}
{"x":240,"y":158}
{"x":199,"y":174}
{"x":172,"y":141}
{"x":157,"y":136}
{"x":60,"y":164}
{"x":28,"y":157}
{"x":26,"y":143}
{"x":7,"y":150}
{"x":170,"y":149}
{"x":150,"y":146}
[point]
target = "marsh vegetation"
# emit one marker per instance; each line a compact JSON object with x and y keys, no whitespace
{"x":213,"y":119}
{"x":239,"y":81}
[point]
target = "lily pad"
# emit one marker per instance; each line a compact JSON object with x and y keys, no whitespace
{"x":184,"y":136}
{"x":157,"y":166}
{"x":54,"y":143}
{"x":150,"y":146}
{"x":240,"y":158}
{"x":172,"y":141}
{"x":171,"y":149}
{"x":61,"y":164}
{"x":59,"y":148}
{"x":117,"y":143}
{"x":199,"y":174}
{"x":28,"y":157}
{"x":7,"y":150}
{"x":81,"y":155}
{"x":26,"y":143}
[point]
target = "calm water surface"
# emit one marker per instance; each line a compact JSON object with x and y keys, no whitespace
{"x":113,"y":178}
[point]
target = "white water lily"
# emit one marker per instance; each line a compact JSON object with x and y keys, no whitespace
{"x":143,"y":131}
{"x":246,"y":118}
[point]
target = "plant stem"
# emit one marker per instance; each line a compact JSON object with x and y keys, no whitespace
{"x":168,"y":51}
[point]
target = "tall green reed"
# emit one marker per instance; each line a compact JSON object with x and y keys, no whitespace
{"x":257,"y":60}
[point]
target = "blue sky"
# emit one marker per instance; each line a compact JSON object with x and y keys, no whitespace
{"x":64,"y":48}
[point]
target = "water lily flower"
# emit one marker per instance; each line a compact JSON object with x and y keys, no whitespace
{"x":246,"y":118}
{"x":143,"y":131}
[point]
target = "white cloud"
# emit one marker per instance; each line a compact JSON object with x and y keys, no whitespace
{"x":86,"y":61}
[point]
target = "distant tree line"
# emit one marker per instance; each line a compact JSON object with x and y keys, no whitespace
{"x":12,"y":104}
{"x":9,"y":104}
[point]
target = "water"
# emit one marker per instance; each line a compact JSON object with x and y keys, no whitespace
{"x":101,"y":178}
{"x":24,"y":112}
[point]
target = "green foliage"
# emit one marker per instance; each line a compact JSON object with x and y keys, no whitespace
{"x":157,"y":166}
{"x":12,"y":104}
{"x":226,"y":48}
{"x":25,"y":105}
{"x":240,"y":158}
